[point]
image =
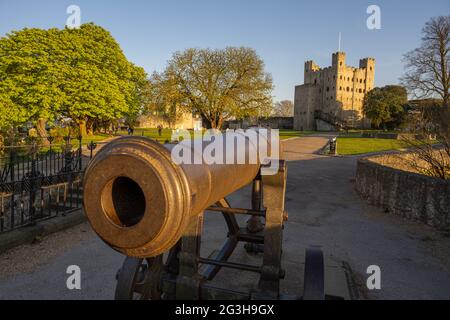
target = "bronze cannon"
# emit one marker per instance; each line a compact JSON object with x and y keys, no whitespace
{"x":143,"y":204}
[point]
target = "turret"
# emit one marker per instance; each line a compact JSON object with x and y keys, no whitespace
{"x":310,"y":67}
{"x":338,"y":59}
{"x":367,"y":63}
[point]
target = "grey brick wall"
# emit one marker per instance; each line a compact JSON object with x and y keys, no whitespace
{"x":410,"y":195}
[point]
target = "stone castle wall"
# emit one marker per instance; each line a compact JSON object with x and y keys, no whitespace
{"x":271,"y":122}
{"x":411,"y":195}
{"x":337,"y":90}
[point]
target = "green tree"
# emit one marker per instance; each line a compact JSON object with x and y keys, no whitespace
{"x":9,"y":114}
{"x":385,"y":106}
{"x":219,"y":84}
{"x":77,"y":73}
{"x":27,"y":76}
{"x":164,"y":99}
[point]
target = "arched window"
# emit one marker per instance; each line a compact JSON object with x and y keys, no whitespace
{"x":348,"y":89}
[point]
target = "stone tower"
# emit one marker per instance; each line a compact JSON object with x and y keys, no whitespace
{"x":333,"y":94}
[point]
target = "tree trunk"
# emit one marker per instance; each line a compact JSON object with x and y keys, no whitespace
{"x":90,"y":127}
{"x":42,"y":131}
{"x":219,"y":123}
{"x":445,"y":119}
{"x":95,"y":126}
{"x":208,"y":122}
{"x":443,"y":39}
{"x":82,"y":126}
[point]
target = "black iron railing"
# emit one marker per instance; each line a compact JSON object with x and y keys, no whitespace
{"x":40,"y":182}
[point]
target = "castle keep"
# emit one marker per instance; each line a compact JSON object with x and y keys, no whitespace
{"x":333,"y":95}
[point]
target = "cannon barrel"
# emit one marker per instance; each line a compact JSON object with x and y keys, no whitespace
{"x":139,"y":201}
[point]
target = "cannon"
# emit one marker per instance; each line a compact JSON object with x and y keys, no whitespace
{"x":146,"y":206}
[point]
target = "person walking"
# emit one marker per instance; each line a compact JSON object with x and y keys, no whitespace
{"x":159,"y":130}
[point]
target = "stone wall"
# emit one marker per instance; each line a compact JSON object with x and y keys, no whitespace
{"x":410,"y":195}
{"x":337,"y":90}
{"x":306,"y":101}
{"x":278,"y":122}
{"x":394,"y":136}
{"x":271,"y":122}
{"x":185,"y":121}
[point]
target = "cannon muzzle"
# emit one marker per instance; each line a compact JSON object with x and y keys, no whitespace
{"x":139,"y":201}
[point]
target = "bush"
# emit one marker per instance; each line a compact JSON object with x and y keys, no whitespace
{"x":430,"y":157}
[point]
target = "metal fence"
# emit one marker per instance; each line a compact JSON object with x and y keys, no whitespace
{"x":40,"y":181}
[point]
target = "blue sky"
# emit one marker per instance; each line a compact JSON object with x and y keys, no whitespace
{"x":284,"y":33}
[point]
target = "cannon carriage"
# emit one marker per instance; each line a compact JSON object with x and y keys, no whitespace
{"x":151,"y":209}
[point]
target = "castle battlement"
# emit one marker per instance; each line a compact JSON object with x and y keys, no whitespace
{"x":337,"y":90}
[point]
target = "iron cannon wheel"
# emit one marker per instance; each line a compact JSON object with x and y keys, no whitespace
{"x":314,"y":282}
{"x":138,"y":279}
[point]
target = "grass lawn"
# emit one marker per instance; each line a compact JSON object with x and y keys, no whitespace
{"x":286,"y":134}
{"x":152,"y":133}
{"x":348,"y":145}
{"x":95,"y":138}
{"x":167,"y":133}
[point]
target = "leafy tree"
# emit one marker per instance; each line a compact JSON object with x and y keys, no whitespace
{"x":164,"y":99}
{"x":385,"y":106}
{"x":10,"y":115}
{"x":218,"y":84}
{"x":101,"y":83}
{"x":283,"y":108}
{"x":77,"y":73}
{"x":428,"y":67}
{"x":27,"y":79}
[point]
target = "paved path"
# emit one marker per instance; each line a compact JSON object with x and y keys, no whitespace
{"x":305,"y":147}
{"x":324,"y":211}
